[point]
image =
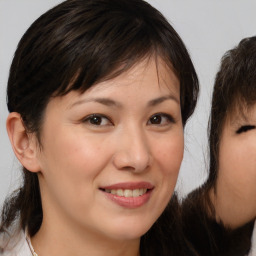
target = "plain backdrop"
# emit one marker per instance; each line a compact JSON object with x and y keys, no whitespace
{"x":208,"y":28}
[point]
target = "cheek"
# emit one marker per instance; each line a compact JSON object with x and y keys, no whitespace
{"x":237,"y":165}
{"x":70,"y":157}
{"x":168,"y":157}
{"x":69,"y":164}
{"x":169,"y":154}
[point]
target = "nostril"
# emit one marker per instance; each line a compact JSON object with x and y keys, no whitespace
{"x":132,"y":160}
{"x":128,"y":168}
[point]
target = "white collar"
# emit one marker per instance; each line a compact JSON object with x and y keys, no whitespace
{"x":14,"y":243}
{"x":29,"y":243}
{"x":253,"y":247}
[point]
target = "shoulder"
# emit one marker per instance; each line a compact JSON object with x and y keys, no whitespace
{"x":13,"y":242}
{"x":196,"y":224}
{"x":206,"y":235}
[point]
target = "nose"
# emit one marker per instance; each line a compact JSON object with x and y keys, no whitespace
{"x":133,"y":152}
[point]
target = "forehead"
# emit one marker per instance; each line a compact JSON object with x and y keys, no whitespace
{"x":150,"y":70}
{"x":241,"y":112}
{"x":145,"y":81}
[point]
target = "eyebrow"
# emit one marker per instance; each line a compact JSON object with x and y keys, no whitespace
{"x":159,"y":100}
{"x":112,"y":103}
{"x":104,"y":101}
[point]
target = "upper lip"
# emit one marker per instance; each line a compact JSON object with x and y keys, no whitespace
{"x":130,"y":185}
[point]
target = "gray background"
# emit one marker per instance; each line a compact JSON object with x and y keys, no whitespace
{"x":208,"y":28}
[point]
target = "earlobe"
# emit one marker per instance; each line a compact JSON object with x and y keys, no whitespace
{"x":23,"y":144}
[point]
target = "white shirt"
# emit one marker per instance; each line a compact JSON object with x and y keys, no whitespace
{"x":253,"y":247}
{"x":15,"y":244}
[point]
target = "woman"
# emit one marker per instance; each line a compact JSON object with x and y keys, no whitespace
{"x":99,"y":93}
{"x":229,"y":193}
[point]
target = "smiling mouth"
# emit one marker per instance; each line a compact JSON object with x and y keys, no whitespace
{"x":127,"y":192}
{"x":129,"y":195}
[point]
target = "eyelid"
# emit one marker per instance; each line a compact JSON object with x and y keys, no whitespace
{"x":245,"y":128}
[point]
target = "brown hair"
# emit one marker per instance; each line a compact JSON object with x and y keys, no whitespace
{"x":85,"y":42}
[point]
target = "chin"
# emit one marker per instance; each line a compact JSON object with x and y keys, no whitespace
{"x":131,"y":231}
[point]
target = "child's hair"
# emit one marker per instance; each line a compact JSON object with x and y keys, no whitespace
{"x":74,"y":46}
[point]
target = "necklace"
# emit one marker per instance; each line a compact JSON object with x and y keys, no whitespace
{"x":30,"y":245}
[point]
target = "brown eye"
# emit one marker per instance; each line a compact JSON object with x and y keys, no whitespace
{"x":157,"y":119}
{"x":160,"y":119}
{"x":97,"y":120}
{"x":245,"y":128}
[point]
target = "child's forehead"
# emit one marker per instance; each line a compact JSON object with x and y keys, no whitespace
{"x":241,"y":112}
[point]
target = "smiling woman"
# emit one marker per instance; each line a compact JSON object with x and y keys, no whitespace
{"x":112,"y":86}
{"x":132,"y":148}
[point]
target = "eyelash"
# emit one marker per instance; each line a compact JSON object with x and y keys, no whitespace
{"x":98,"y":118}
{"x":245,"y":128}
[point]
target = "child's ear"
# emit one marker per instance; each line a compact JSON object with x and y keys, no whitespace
{"x":24,"y":144}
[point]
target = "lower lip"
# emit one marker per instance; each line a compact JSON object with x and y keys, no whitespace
{"x":129,"y":202}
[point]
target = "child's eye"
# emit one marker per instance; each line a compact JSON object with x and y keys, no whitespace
{"x":245,"y":128}
{"x":97,"y":120}
{"x":160,"y":119}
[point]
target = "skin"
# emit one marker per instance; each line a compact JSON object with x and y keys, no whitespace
{"x":236,"y":180}
{"x":138,"y":137}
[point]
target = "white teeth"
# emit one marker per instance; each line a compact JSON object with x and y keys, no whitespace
{"x":142,"y":191}
{"x":136,"y":193}
{"x":113,"y":191}
{"x":127,"y":192}
{"x":120,"y":192}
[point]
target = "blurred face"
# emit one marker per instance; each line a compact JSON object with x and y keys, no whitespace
{"x":236,"y":183}
{"x":110,"y":156}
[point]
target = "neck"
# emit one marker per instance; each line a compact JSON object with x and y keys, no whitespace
{"x":61,"y":240}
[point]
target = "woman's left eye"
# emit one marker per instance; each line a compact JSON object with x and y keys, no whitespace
{"x":160,"y":119}
{"x":97,"y":120}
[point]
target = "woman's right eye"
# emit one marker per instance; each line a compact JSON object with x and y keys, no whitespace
{"x":97,"y":120}
{"x":245,"y":128}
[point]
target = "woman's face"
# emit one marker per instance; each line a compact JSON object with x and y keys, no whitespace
{"x":110,"y":156}
{"x":236,"y":183}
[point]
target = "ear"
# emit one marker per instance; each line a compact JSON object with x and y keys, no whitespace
{"x":24,"y":144}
